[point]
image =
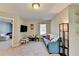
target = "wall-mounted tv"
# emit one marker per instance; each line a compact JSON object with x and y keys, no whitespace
{"x":23,"y":28}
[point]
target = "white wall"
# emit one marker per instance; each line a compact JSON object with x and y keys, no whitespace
{"x":54,"y":27}
{"x":16,"y":31}
{"x":62,"y":17}
{"x":29,"y":31}
{"x":74,"y":31}
{"x":16,"y":27}
{"x":69,"y":15}
{"x":36,"y":27}
{"x":17,"y":22}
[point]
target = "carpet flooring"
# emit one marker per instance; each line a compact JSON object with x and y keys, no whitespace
{"x":29,"y":49}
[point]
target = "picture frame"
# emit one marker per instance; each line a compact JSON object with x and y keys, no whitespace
{"x":32,"y":26}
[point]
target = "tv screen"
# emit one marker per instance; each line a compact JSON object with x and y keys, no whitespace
{"x":23,"y":28}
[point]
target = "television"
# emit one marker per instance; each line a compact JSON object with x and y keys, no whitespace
{"x":23,"y":28}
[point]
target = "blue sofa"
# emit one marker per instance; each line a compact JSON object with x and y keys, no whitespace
{"x":53,"y":47}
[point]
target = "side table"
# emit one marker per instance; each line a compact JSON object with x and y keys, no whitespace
{"x":24,"y":41}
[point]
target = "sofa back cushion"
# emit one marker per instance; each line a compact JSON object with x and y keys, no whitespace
{"x":48,"y":36}
{"x":55,"y":39}
{"x":51,"y":36}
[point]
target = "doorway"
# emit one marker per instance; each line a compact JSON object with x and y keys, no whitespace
{"x":6,"y":33}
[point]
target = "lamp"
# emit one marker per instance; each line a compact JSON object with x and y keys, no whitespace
{"x":35,"y":5}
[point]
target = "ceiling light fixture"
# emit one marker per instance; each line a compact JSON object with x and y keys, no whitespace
{"x":35,"y":5}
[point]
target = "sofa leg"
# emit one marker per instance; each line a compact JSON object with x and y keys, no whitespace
{"x":49,"y":52}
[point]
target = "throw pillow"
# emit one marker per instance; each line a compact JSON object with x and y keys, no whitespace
{"x":55,"y":39}
{"x":48,"y":36}
{"x":51,"y":36}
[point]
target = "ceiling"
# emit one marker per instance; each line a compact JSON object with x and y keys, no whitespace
{"x":25,"y":10}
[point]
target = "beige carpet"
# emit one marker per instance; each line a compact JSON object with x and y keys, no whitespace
{"x":5,"y":44}
{"x":30,"y":49}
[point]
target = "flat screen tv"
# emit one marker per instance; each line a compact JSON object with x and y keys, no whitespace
{"x":23,"y":28}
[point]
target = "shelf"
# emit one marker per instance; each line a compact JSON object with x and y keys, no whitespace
{"x":62,"y":54}
{"x":64,"y":36}
{"x":64,"y":47}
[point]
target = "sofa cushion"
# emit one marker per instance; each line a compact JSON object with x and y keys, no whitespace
{"x":53,"y":47}
{"x":55,"y":39}
{"x":48,"y":36}
{"x":51,"y":36}
{"x":46,"y":41}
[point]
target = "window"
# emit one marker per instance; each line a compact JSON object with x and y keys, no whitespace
{"x":42,"y":29}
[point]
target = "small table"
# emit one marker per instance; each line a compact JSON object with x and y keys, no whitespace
{"x":33,"y":38}
{"x":24,"y":41}
{"x":36,"y":39}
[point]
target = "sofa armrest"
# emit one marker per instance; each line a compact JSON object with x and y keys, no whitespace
{"x":53,"y":47}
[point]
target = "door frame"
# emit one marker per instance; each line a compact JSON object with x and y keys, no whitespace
{"x":12,"y":20}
